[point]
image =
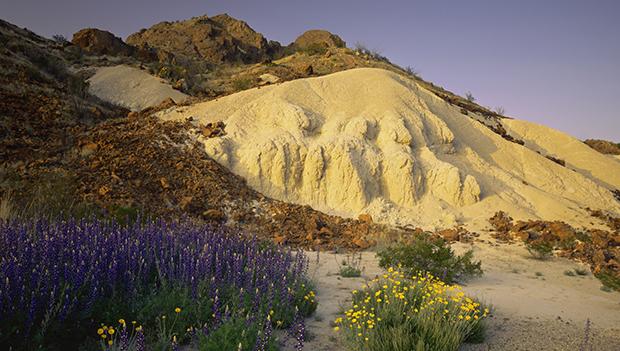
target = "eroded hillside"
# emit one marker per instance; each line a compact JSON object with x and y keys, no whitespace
{"x":372,"y":141}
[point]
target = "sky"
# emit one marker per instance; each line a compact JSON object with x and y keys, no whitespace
{"x":553,"y":62}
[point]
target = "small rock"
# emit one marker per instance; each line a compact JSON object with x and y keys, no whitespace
{"x":364,"y":217}
{"x":214,"y":215}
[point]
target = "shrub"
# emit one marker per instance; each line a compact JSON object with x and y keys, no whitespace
{"x":351,"y":266}
{"x":412,"y":72}
{"x":609,"y":280}
{"x":242,"y":84}
{"x":315,"y":49}
{"x":399,"y":312}
{"x":427,"y":253}
{"x":60,"y":39}
{"x":470,"y":97}
{"x":540,"y":250}
{"x":63,"y":281}
{"x":375,"y":54}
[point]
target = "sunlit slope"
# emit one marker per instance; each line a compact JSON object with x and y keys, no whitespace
{"x":371,"y":141}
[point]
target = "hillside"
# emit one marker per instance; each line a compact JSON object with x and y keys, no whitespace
{"x":372,"y":141}
{"x":252,"y":191}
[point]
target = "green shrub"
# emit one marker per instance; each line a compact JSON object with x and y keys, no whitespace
{"x":351,"y":266}
{"x":242,"y":84}
{"x":350,"y":272}
{"x":315,"y":49}
{"x":427,"y":253}
{"x":540,"y":250}
{"x":227,"y":337}
{"x":609,"y":280}
{"x":398,"y":313}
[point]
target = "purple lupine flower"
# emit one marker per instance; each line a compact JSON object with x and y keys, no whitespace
{"x":60,"y":270}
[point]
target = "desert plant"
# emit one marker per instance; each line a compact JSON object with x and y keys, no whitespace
{"x":609,"y":280}
{"x":60,"y":278}
{"x":412,"y":72}
{"x":242,"y":84}
{"x":427,"y":253}
{"x":500,"y":110}
{"x":60,"y":39}
{"x":350,"y":267}
{"x":375,"y":54}
{"x":470,"y":97}
{"x":540,"y":250}
{"x":398,"y":312}
{"x":314,"y":49}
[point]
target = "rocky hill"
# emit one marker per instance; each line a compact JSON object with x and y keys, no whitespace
{"x":318,"y":37}
{"x":449,"y":174}
{"x":64,"y":150}
{"x":604,"y":146}
{"x":219,"y":39}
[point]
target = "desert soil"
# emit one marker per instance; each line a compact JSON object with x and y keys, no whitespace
{"x":536,"y":306}
{"x":131,"y":87}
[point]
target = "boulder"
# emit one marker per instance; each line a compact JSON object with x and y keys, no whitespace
{"x":218,"y":39}
{"x":214,"y":215}
{"x":317,"y":37}
{"x":268,"y":78}
{"x":100,"y":42}
{"x":214,"y":129}
{"x":364,"y":217}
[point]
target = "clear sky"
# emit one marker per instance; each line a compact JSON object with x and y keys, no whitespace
{"x":554,"y":62}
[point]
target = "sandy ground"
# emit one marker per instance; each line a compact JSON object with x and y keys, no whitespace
{"x":131,"y":87}
{"x":536,"y":305}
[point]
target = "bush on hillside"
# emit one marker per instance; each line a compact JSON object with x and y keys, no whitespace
{"x":434,"y":255}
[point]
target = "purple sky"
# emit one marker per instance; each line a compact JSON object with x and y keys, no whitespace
{"x":552,"y":62}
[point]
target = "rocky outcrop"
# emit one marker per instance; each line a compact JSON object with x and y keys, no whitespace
{"x":599,"y":248}
{"x":217,"y":39}
{"x":100,"y":42}
{"x":139,"y":162}
{"x":317,"y":37}
{"x":604,"y":146}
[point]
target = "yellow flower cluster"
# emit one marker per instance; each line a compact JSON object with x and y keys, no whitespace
{"x":310,"y":296}
{"x":421,"y":296}
{"x":108,"y":333}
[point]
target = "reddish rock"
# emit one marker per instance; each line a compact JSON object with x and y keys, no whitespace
{"x":317,"y":37}
{"x":364,"y":217}
{"x":216,"y":40}
{"x":326,"y":232}
{"x":100,"y":42}
{"x":450,"y":235}
{"x":214,"y":215}
{"x":501,"y":221}
{"x":361,"y":243}
{"x":214,"y":129}
{"x":279,"y":239}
